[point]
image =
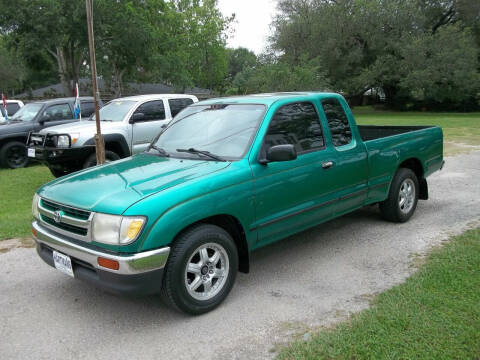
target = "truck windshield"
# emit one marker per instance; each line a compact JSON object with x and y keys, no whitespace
{"x":115,"y":110}
{"x":27,"y":113}
{"x":224,"y":130}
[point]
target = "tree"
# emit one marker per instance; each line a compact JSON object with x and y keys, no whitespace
{"x":54,"y":26}
{"x":363,"y":43}
{"x":12,"y":70}
{"x":239,"y":59}
{"x":441,"y":67}
{"x":272,"y":75}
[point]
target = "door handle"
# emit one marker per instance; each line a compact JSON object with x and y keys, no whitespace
{"x":327,"y":164}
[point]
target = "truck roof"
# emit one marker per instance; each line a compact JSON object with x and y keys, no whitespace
{"x":268,"y":98}
{"x":156,"y":96}
{"x":62,"y":100}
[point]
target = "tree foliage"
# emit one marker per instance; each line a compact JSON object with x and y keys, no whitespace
{"x":404,"y":47}
{"x":180,"y":41}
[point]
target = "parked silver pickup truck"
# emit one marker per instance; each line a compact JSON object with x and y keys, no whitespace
{"x":128,"y":125}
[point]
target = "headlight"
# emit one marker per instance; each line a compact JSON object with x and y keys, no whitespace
{"x":63,"y":141}
{"x":35,"y":213}
{"x":116,"y":230}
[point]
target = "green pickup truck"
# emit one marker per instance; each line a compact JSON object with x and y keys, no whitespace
{"x":225,"y":177}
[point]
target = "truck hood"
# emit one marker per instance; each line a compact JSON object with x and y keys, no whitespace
{"x":84,"y":126}
{"x":114,"y":187}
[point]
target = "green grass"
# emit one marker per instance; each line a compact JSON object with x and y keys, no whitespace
{"x":461,"y":130}
{"x":435,"y":314}
{"x":16,"y":192}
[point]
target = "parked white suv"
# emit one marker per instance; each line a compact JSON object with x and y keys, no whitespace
{"x":128,"y":126}
{"x":12,"y":107}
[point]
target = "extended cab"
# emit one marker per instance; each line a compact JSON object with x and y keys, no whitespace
{"x":226,"y":177}
{"x":34,"y":117}
{"x":128,"y":126}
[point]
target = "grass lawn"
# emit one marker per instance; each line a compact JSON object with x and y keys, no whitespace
{"x":460,"y":130}
{"x":435,"y":314}
{"x":16,"y":192}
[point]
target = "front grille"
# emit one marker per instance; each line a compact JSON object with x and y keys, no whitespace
{"x":71,"y":228}
{"x":64,"y":219}
{"x":76,"y":213}
{"x":41,"y":140}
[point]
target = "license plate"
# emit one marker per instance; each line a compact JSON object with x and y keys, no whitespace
{"x":63,"y":263}
{"x":31,"y":152}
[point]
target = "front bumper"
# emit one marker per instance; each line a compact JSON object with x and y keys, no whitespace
{"x":52,"y":155}
{"x":138,"y":274}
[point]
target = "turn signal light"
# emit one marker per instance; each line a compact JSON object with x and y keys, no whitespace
{"x":108,"y":263}
{"x":34,"y":232}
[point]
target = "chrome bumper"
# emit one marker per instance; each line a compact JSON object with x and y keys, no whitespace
{"x":128,"y":264}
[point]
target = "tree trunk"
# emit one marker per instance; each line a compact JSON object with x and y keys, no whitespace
{"x":62,"y":71}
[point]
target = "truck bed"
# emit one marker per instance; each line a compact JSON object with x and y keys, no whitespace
{"x":372,"y":132}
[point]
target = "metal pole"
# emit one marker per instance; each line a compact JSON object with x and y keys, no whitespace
{"x":99,"y":142}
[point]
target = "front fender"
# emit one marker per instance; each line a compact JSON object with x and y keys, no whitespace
{"x":165,"y":223}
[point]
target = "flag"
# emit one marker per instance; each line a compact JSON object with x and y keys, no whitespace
{"x":4,"y":99}
{"x":77,"y":113}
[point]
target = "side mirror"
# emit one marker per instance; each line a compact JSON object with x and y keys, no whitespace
{"x":137,"y":117}
{"x":43,"y":119}
{"x":285,"y":152}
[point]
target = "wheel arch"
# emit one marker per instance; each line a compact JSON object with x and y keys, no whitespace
{"x":115,"y":143}
{"x":416,"y":166}
{"x":232,"y":226}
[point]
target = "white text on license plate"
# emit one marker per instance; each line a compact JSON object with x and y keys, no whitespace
{"x":31,"y":152}
{"x":63,"y":263}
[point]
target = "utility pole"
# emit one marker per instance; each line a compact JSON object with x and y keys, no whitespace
{"x":99,"y":142}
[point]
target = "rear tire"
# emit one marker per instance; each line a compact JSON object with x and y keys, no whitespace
{"x":14,"y":155}
{"x":92,"y":159}
{"x":201,"y":269}
{"x":402,"y":197}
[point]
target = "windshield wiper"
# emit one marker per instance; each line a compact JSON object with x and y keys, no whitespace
{"x":202,"y":152}
{"x":160,"y":150}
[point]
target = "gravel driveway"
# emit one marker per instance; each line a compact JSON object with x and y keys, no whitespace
{"x":311,"y":279}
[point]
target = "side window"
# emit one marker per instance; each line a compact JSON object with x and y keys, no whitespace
{"x":297,"y":124}
{"x":177,"y":105}
{"x":337,"y":122}
{"x":12,"y":108}
{"x":57,"y":112}
{"x":152,"y":110}
{"x":88,"y":108}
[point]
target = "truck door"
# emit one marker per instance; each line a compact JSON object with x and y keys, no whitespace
{"x":147,"y":121}
{"x":292,"y":195}
{"x":350,"y":167}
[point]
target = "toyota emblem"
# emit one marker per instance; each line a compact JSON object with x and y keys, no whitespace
{"x":57,"y":216}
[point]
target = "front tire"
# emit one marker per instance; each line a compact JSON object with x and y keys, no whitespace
{"x":92,"y":159}
{"x":402,"y":197}
{"x":201,"y":269}
{"x":14,"y":155}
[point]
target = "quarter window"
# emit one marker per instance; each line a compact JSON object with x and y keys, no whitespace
{"x":88,"y":108}
{"x":297,"y":124}
{"x":177,"y":105}
{"x":337,"y":122}
{"x":152,"y":110}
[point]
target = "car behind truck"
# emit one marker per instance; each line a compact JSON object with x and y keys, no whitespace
{"x":129,"y":125}
{"x":226,"y":177}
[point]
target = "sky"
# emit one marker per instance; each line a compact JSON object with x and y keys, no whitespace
{"x":252,"y":20}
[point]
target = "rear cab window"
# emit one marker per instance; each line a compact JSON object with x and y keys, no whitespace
{"x":337,"y":122}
